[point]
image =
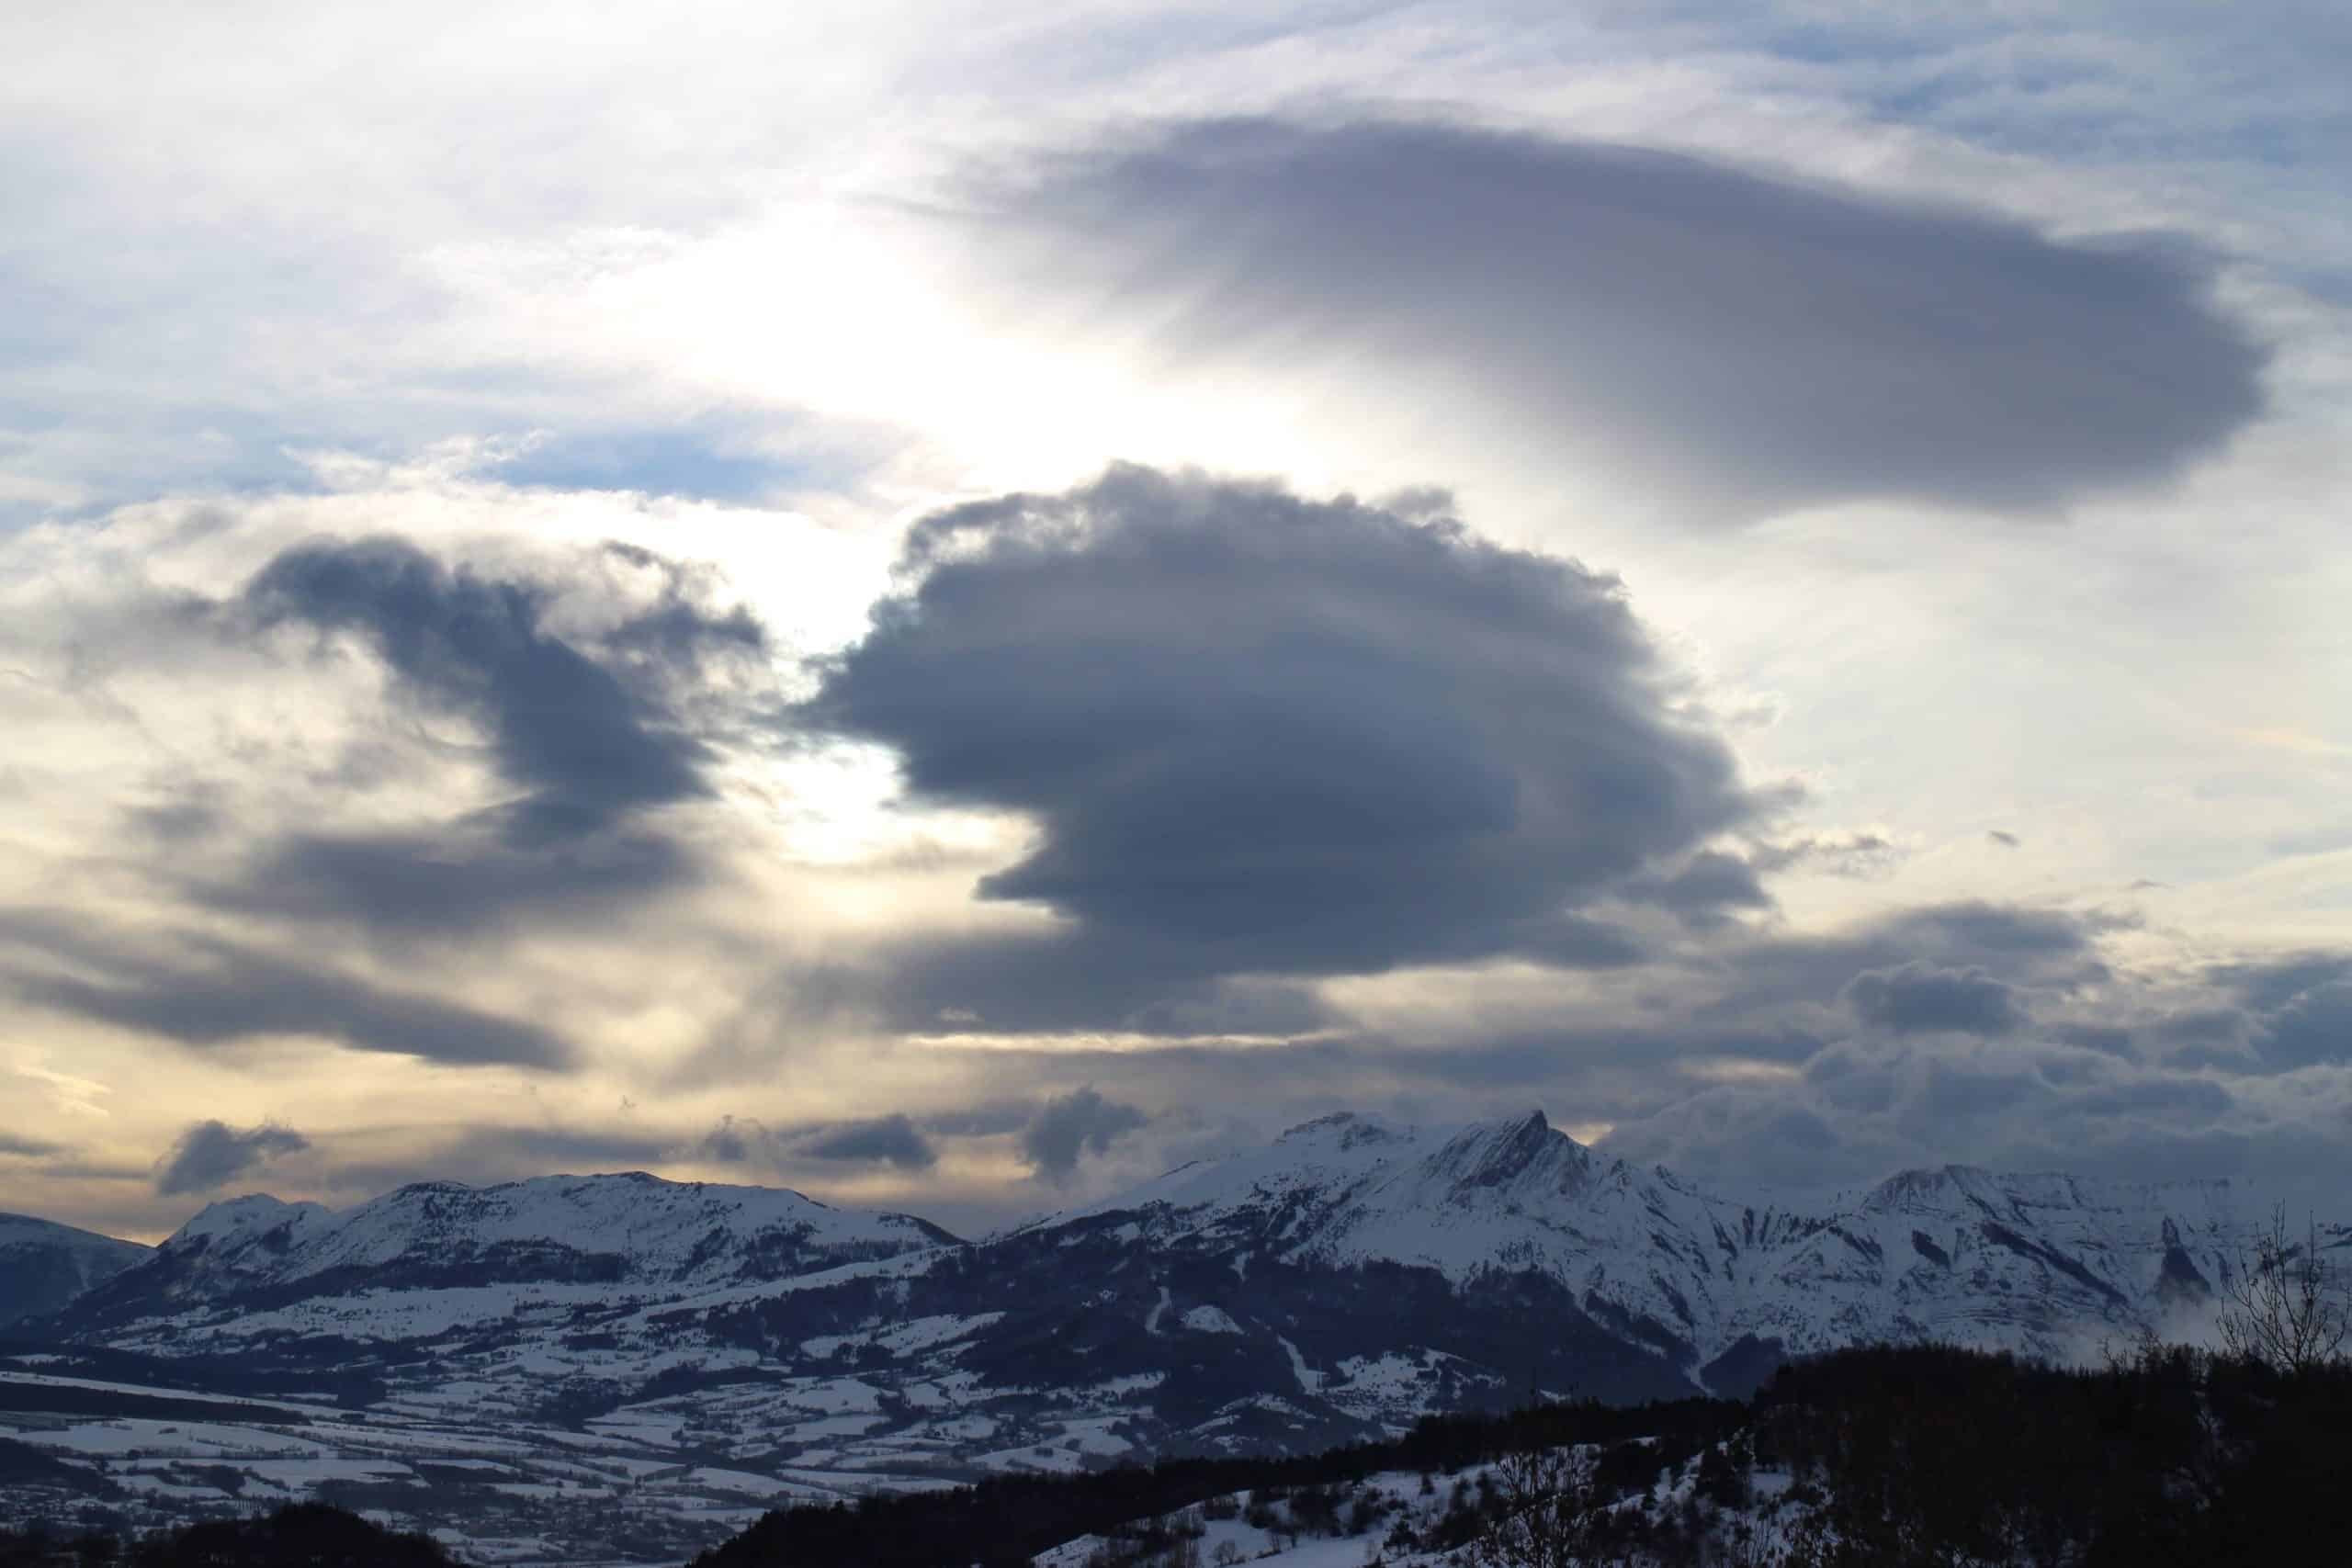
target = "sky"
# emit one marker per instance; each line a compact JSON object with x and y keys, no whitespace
{"x":954,"y":606}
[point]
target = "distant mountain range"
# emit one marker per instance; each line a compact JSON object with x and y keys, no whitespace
{"x":1333,"y":1285}
{"x":630,"y":1233}
{"x":44,"y":1265}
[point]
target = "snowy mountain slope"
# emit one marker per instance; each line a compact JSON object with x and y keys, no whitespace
{"x":2026,"y":1262}
{"x":604,"y":1231}
{"x":44,"y":1265}
{"x":1333,"y":1285}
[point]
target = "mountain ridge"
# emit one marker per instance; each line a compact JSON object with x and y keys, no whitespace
{"x":44,"y":1264}
{"x":1504,"y":1196}
{"x":1331,"y":1285}
{"x":625,"y":1229}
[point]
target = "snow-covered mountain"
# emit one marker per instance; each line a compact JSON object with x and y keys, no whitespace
{"x":608,"y":1234}
{"x":1333,"y":1285}
{"x":44,"y":1265}
{"x":1957,"y":1254}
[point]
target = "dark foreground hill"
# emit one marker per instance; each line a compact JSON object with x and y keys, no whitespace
{"x":1872,"y":1458}
{"x":301,"y":1535}
{"x":1868,"y":1457}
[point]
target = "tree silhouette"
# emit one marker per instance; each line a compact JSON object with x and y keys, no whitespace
{"x":2286,"y":1307}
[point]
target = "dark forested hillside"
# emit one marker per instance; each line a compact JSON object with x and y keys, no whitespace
{"x":302,"y":1535}
{"x":1928,"y":1456}
{"x":1878,"y":1458}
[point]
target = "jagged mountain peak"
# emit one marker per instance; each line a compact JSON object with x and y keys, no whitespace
{"x":1512,"y":1153}
{"x":1933,"y":1185}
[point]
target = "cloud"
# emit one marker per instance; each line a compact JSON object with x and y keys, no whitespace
{"x":486,"y":1153}
{"x":2288,"y":1012}
{"x":211,"y":1153}
{"x":2316,"y":1026}
{"x":1703,"y":891}
{"x":1260,"y":734}
{"x":882,"y":1140}
{"x":1918,"y":997}
{"x":1854,"y":855}
{"x":2260,"y":1016}
{"x":891,"y":1140}
{"x":1860,"y":1110}
{"x":593,"y":738}
{"x":561,"y":725}
{"x":13,"y":1146}
{"x":1072,"y":1125}
{"x":2005,"y":840}
{"x":1742,"y":343}
{"x":205,"y":991}
{"x":2052,"y":950}
{"x":731,"y":1142}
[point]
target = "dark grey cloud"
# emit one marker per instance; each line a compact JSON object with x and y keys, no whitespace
{"x":1840,"y":854}
{"x":591,"y":738}
{"x":1072,"y":1125}
{"x":561,"y":725}
{"x":2312,"y":1026}
{"x":1266,"y":734}
{"x":2115,"y":1039}
{"x":2269,"y":1015}
{"x":1946,"y":978}
{"x":1743,"y":342}
{"x":892,"y":1140}
{"x":15,"y":1146}
{"x":981,"y":1120}
{"x":1921,"y":998}
{"x":2005,"y":1036}
{"x":2267,"y":985}
{"x":1861,"y":1110}
{"x":733,"y":1142}
{"x":211,"y":1153}
{"x":2005,"y":840}
{"x":2051,"y":950}
{"x":205,"y":991}
{"x":1937,"y":983}
{"x":1705,"y":890}
{"x":457,"y":876}
{"x":882,"y":1140}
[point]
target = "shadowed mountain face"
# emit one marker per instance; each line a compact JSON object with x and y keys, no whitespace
{"x":1335,"y":1284}
{"x":44,"y":1265}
